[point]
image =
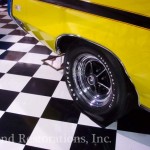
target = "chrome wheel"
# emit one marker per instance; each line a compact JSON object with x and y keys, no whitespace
{"x":92,"y":79}
{"x":97,"y":83}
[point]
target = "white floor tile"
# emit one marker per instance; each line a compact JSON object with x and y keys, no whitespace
{"x":5,"y":31}
{"x":1,"y":113}
{"x":39,"y":43}
{"x":2,"y":51}
{"x":85,"y":120}
{"x":19,"y":28}
{"x":61,"y":91}
{"x":47,"y":72}
{"x":6,"y":65}
{"x":132,"y":141}
{"x":11,"y":38}
{"x":13,"y":82}
{"x":29,"y":104}
{"x":12,"y":22}
{"x":6,"y":17}
{"x":21,"y":47}
{"x":2,"y":9}
{"x":33,"y":58}
{"x":112,"y":126}
{"x":2,"y":24}
{"x":4,"y":12}
{"x":54,"y":135}
{"x":28,"y":35}
{"x":6,"y":145}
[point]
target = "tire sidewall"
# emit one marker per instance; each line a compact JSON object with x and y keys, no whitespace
{"x":116,"y":100}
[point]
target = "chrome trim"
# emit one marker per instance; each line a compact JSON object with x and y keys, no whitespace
{"x":78,"y":36}
{"x":88,"y":85}
{"x":145,"y":108}
{"x":10,"y":8}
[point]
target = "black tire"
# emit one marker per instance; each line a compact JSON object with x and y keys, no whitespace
{"x":104,"y":104}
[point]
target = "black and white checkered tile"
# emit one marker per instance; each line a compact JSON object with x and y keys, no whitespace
{"x":37,"y":112}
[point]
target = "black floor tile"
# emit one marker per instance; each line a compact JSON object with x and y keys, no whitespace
{"x":5,"y":45}
{"x":40,"y":50}
{"x":41,"y":86}
{"x":10,"y":26}
{"x":18,"y":32}
{"x":29,"y":40}
{"x":33,"y":148}
{"x":1,"y":74}
{"x":90,"y":138}
{"x":61,"y":110}
{"x":16,"y":126}
{"x":1,"y":16}
{"x":1,"y":36}
{"x":137,"y":121}
{"x":12,"y":55}
{"x":6,"y":98}
{"x":5,"y":20}
{"x":24,"y":69}
{"x":3,"y":6}
{"x":63,"y":78}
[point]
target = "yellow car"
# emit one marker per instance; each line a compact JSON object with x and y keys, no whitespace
{"x":106,"y":45}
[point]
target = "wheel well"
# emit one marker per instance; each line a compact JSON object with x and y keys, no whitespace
{"x":64,"y":42}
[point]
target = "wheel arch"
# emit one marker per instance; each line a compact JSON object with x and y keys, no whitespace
{"x":74,"y":40}
{"x":62,"y":46}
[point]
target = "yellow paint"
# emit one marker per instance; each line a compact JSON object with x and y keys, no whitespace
{"x":130,"y":43}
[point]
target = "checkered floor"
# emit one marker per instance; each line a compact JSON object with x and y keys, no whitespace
{"x":37,"y":112}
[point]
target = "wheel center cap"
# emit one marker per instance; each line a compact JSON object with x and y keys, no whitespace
{"x":91,"y":79}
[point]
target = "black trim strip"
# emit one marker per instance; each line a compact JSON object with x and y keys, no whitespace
{"x":104,"y":11}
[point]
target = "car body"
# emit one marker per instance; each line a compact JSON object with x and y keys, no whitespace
{"x":122,"y":28}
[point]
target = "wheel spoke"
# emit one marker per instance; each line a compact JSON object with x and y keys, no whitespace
{"x":101,"y":84}
{"x":91,"y":67}
{"x":95,"y":88}
{"x":93,"y":102}
{"x":91,"y":79}
{"x":100,"y":73}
